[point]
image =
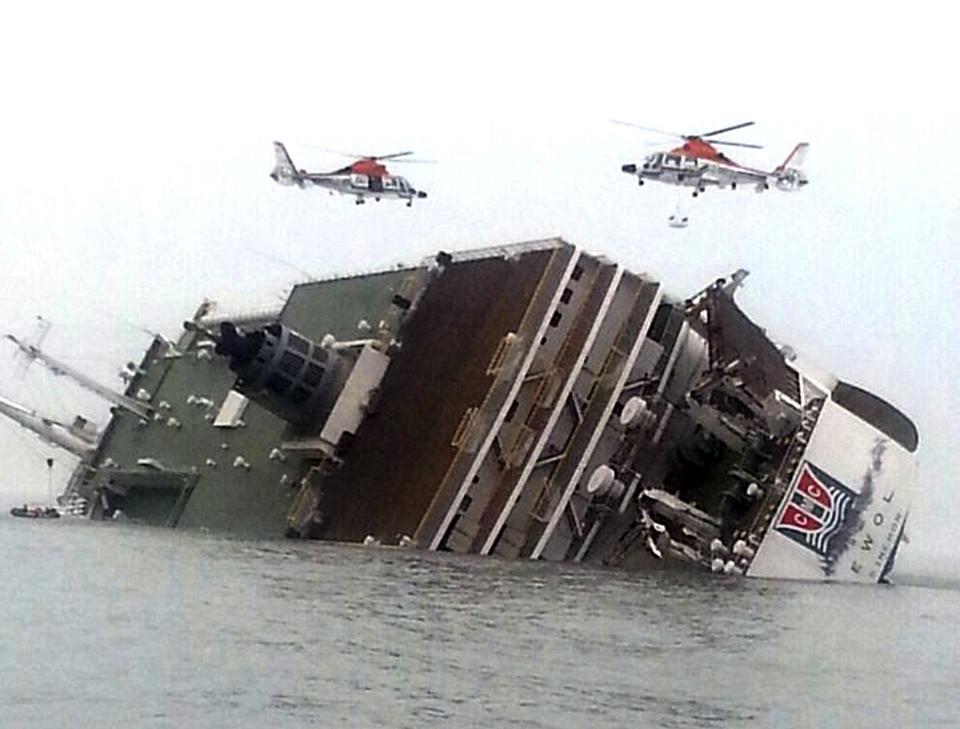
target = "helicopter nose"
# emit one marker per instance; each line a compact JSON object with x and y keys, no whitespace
{"x":421,"y":194}
{"x":630,"y":169}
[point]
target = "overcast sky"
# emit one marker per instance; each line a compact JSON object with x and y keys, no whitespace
{"x":135,"y":150}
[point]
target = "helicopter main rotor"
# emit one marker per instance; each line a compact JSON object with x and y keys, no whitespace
{"x":393,"y":156}
{"x":705,"y":137}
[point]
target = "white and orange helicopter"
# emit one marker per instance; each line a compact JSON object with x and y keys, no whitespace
{"x":698,"y":164}
{"x":366,"y":177}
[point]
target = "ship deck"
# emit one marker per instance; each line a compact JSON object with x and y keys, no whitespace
{"x":401,"y":453}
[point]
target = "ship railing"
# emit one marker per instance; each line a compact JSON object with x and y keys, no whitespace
{"x":510,"y":251}
{"x":254,"y":316}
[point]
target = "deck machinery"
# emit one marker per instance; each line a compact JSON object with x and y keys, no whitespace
{"x":526,"y":401}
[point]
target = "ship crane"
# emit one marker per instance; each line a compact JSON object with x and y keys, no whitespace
{"x":78,"y":439}
{"x":60,"y":368}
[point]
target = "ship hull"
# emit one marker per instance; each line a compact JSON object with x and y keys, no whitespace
{"x":531,"y":401}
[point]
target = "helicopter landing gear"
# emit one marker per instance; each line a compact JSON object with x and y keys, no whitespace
{"x":360,"y":201}
{"x":640,"y":182}
{"x":409,"y":203}
{"x":733,"y":185}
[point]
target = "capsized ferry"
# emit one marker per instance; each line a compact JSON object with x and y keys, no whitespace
{"x":528,"y":401}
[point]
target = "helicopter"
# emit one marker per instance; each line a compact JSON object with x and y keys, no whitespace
{"x":363,"y":178}
{"x":697,"y":163}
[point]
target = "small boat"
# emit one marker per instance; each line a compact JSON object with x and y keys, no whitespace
{"x":45,"y":511}
{"x":35,"y":512}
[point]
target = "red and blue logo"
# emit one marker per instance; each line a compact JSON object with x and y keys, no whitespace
{"x":816,"y":509}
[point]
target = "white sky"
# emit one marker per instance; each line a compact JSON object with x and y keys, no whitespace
{"x":135,"y":149}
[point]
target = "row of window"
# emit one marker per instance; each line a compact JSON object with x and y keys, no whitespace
{"x":387,"y":182}
{"x":672,"y":161}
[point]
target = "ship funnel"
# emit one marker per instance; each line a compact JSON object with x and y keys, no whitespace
{"x":240,"y":348}
{"x":295,"y":378}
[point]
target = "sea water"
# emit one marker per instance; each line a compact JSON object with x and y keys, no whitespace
{"x":109,"y":625}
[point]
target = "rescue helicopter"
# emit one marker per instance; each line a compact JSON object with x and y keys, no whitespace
{"x":363,"y":178}
{"x":697,"y":163}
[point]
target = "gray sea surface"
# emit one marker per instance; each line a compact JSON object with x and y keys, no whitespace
{"x":110,"y":625}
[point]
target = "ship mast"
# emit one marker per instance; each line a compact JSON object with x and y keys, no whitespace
{"x":61,"y":368}
{"x":70,"y":438}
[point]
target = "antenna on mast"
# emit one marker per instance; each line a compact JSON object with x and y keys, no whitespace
{"x":40,"y":330}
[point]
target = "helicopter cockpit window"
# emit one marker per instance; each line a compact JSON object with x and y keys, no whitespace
{"x":360,"y":181}
{"x":403,"y":184}
{"x":652,"y":162}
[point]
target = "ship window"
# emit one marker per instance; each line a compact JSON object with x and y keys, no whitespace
{"x":880,"y":414}
{"x":555,"y":319}
{"x":565,"y":296}
{"x":290,"y":364}
{"x":298,"y":343}
{"x":313,"y":375}
{"x":278,"y":383}
{"x":577,"y":273}
{"x":512,"y":411}
{"x":659,"y":325}
{"x":231,"y":411}
{"x":299,"y":395}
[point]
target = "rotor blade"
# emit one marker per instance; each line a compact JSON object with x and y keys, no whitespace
{"x":414,"y":161}
{"x":358,"y":155}
{"x":646,"y":129}
{"x":379,"y":157}
{"x":353,"y":155}
{"x":726,"y":129}
{"x":733,"y":144}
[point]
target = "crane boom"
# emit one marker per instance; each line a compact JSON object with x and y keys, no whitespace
{"x":50,"y":430}
{"x":61,"y":368}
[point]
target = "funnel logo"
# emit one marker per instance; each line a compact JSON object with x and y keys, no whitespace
{"x":816,"y":509}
